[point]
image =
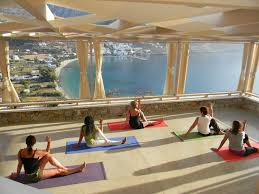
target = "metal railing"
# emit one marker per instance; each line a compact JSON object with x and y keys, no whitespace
{"x":120,"y":100}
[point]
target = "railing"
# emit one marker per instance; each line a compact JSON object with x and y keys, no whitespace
{"x":252,"y":96}
{"x":120,"y":100}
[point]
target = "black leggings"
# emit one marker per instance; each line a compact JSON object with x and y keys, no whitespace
{"x":248,"y":150}
{"x":213,"y":126}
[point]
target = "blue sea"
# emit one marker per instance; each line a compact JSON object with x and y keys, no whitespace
{"x":212,"y":68}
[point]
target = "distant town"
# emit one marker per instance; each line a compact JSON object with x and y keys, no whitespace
{"x":33,"y":64}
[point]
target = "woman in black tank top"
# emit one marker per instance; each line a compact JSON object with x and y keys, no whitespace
{"x":34,"y":162}
{"x":136,"y":117}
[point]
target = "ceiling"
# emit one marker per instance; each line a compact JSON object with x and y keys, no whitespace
{"x":131,"y":20}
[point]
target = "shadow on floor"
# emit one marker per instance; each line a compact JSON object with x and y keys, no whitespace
{"x":180,"y":164}
{"x":153,"y":143}
{"x":241,"y":184}
{"x":168,"y":183}
{"x":37,"y":125}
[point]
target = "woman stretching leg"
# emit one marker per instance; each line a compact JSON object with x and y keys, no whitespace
{"x":91,"y":132}
{"x":136,"y":117}
{"x":34,"y":162}
{"x":237,"y":138}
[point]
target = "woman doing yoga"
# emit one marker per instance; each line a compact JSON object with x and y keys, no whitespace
{"x":91,"y":132}
{"x":34,"y":162}
{"x":136,"y":117}
{"x":237,"y":138}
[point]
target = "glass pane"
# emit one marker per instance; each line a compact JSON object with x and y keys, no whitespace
{"x":214,"y":67}
{"x":128,"y":69}
{"x":256,"y":84}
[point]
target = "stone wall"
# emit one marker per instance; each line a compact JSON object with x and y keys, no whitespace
{"x":108,"y":111}
{"x":250,"y":104}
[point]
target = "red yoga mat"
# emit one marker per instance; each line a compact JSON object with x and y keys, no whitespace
{"x":123,"y":125}
{"x":228,"y":156}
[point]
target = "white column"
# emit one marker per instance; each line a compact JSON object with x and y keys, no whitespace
{"x":183,"y":67}
{"x":246,"y":51}
{"x":99,"y":87}
{"x":171,"y":57}
{"x":253,"y":69}
{"x":92,"y":70}
{"x":178,"y":68}
{"x":9,"y":93}
{"x":82,"y":54}
{"x":249,"y":66}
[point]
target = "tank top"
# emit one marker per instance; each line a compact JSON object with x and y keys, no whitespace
{"x":90,"y":138}
{"x":203,"y":124}
{"x":135,"y":122}
{"x":236,"y":142}
{"x":31,"y":165}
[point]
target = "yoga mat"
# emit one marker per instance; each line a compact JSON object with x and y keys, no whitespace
{"x":131,"y":142}
{"x":123,"y":125}
{"x":92,"y":172}
{"x":193,"y":135}
{"x":228,"y":156}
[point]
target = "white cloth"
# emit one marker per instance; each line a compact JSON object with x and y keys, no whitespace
{"x":82,"y":55}
{"x":99,"y":87}
{"x":9,"y":93}
{"x":203,"y":124}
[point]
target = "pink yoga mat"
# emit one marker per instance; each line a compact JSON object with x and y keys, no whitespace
{"x":123,"y":125}
{"x":228,"y":156}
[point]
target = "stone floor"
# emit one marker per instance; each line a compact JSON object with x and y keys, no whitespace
{"x":163,"y":164}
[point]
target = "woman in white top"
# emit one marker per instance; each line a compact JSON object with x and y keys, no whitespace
{"x":237,"y":138}
{"x":206,"y":124}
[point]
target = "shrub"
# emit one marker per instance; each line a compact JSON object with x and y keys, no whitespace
{"x":51,"y":85}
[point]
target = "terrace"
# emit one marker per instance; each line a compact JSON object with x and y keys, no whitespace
{"x":164,"y":163}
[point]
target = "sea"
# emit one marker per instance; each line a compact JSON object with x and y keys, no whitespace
{"x":212,"y":67}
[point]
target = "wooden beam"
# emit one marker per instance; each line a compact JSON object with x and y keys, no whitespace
{"x":237,"y":4}
{"x":38,"y":8}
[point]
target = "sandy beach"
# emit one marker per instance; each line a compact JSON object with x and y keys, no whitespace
{"x":62,"y":65}
{"x":57,"y":72}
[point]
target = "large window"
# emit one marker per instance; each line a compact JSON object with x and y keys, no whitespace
{"x":256,"y":83}
{"x":214,"y":67}
{"x":129,"y":69}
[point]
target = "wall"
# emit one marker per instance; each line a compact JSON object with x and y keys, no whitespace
{"x":107,"y":111}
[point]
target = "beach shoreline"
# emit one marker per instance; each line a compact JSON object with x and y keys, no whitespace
{"x":57,"y":72}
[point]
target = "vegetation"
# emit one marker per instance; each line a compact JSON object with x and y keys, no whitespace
{"x":47,"y":74}
{"x":25,"y":83}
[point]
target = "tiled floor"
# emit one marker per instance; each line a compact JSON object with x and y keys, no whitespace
{"x":163,"y":164}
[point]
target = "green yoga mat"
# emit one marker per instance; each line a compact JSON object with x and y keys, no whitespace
{"x":193,"y":136}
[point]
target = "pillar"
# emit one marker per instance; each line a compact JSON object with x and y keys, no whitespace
{"x":9,"y":93}
{"x":171,"y":58}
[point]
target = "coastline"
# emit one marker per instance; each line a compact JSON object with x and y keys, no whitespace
{"x":57,"y":72}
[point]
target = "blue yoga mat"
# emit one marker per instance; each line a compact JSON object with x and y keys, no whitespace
{"x":131,"y":142}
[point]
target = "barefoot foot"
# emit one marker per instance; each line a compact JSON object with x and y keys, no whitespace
{"x":124,"y":140}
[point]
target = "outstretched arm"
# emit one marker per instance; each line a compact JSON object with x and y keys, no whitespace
{"x":210,"y":109}
{"x":101,"y":124}
{"x":48,"y":139}
{"x":138,"y":101}
{"x":80,"y":137}
{"x":19,"y":167}
{"x":192,"y":126}
{"x":222,"y":142}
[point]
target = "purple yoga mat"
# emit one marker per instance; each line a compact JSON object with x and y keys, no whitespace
{"x":93,"y":172}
